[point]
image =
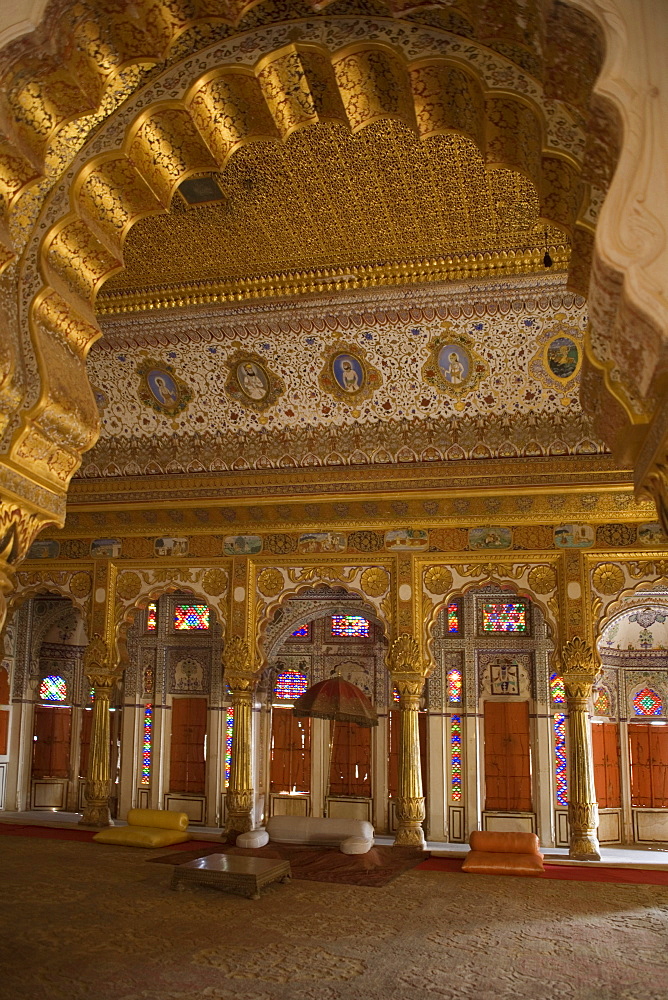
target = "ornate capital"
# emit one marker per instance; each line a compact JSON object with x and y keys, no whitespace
{"x":580,"y":668}
{"x":406,"y":666}
{"x":98,"y":666}
{"x":237,"y":666}
{"x":18,"y":528}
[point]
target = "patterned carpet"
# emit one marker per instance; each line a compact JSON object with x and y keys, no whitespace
{"x":91,"y":922}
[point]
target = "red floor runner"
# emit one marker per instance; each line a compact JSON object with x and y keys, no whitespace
{"x":45,"y":832}
{"x":571,"y":873}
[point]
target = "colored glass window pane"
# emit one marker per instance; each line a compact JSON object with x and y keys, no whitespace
{"x":453,"y":617}
{"x":395,"y":695}
{"x":455,"y":685}
{"x":557,"y":689}
{"x":91,"y":694}
{"x":456,"y":758}
{"x":290,"y":685}
{"x":146,"y":745}
{"x":191,"y":616}
{"x":510,"y":616}
{"x":152,"y":617}
{"x":229,"y":726}
{"x":602,"y":702}
{"x":647,"y":702}
{"x":560,"y":762}
{"x":53,"y":688}
{"x":350,"y":625}
{"x":301,"y":631}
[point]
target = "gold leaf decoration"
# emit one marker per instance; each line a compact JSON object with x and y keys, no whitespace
{"x":80,"y":584}
{"x":375,"y":581}
{"x":542,"y":579}
{"x":608,"y":578}
{"x":128,"y":586}
{"x":270,"y":582}
{"x":214,"y":581}
{"x":438,"y":580}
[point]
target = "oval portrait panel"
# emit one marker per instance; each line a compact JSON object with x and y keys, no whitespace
{"x":562,"y":356}
{"x":163,"y":387}
{"x":348,"y":372}
{"x":252,"y":380}
{"x":455,"y":364}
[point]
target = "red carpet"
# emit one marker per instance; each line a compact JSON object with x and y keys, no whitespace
{"x":377,"y":867}
{"x":570,"y":873}
{"x":45,"y":832}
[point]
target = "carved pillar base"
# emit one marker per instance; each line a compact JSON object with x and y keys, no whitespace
{"x":239,"y":813}
{"x":410,"y":814}
{"x":96,"y":811}
{"x":583,"y":821}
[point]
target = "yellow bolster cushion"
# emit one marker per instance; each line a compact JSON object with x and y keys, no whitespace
{"x":162,"y":818}
{"x":140,"y":836}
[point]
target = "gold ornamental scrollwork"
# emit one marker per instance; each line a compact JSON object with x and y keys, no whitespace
{"x":238,"y":668}
{"x":330,"y":574}
{"x":438,"y":580}
{"x":650,"y":567}
{"x":512,"y":572}
{"x":542,"y":579}
{"x":128,"y":585}
{"x":270,"y":582}
{"x":214,"y":582}
{"x":608,"y":578}
{"x":375,"y":581}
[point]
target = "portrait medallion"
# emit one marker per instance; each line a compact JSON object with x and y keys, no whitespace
{"x":161,"y":388}
{"x":454,"y":367}
{"x":347,"y":374}
{"x":251,"y":383}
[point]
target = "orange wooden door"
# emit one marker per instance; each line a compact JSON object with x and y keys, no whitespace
{"x":648,"y":746}
{"x":350,"y":771}
{"x":187,"y":770}
{"x":605,"y":749}
{"x":51,"y":745}
{"x":507,"y":757}
{"x":290,"y":769}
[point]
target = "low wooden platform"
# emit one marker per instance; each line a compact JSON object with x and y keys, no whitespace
{"x":244,"y":876}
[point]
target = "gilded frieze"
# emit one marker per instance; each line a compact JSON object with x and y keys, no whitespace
{"x":251,"y":383}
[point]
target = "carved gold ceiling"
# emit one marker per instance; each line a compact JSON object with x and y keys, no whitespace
{"x":328,"y":201}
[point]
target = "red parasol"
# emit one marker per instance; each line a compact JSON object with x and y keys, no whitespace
{"x":338,"y":700}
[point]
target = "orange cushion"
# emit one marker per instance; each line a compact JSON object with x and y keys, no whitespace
{"x":489,"y":863}
{"x":504,"y":843}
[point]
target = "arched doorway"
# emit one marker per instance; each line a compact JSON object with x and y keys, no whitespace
{"x":49,"y":719}
{"x":630,"y":725}
{"x":175,"y":734}
{"x":497,"y":762}
{"x":314,"y":768}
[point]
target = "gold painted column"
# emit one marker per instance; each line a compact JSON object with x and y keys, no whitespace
{"x":408,"y":676}
{"x":242,"y":682}
{"x":101,"y":674}
{"x":580,"y":670}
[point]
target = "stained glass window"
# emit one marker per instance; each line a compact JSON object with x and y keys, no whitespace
{"x":453,"y":617}
{"x":601,"y":702}
{"x":455,"y":685}
{"x":152,"y":617}
{"x":290,"y":684}
{"x":395,"y":695}
{"x":300,"y":632}
{"x":229,"y":726}
{"x":456,"y":758}
{"x":560,"y":762}
{"x":350,"y":625}
{"x":191,"y":616}
{"x":53,"y":688}
{"x":146,"y":746}
{"x":510,"y":616}
{"x":647,"y":702}
{"x":557,"y":689}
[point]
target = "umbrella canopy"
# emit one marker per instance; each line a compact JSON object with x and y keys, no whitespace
{"x":336,"y":699}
